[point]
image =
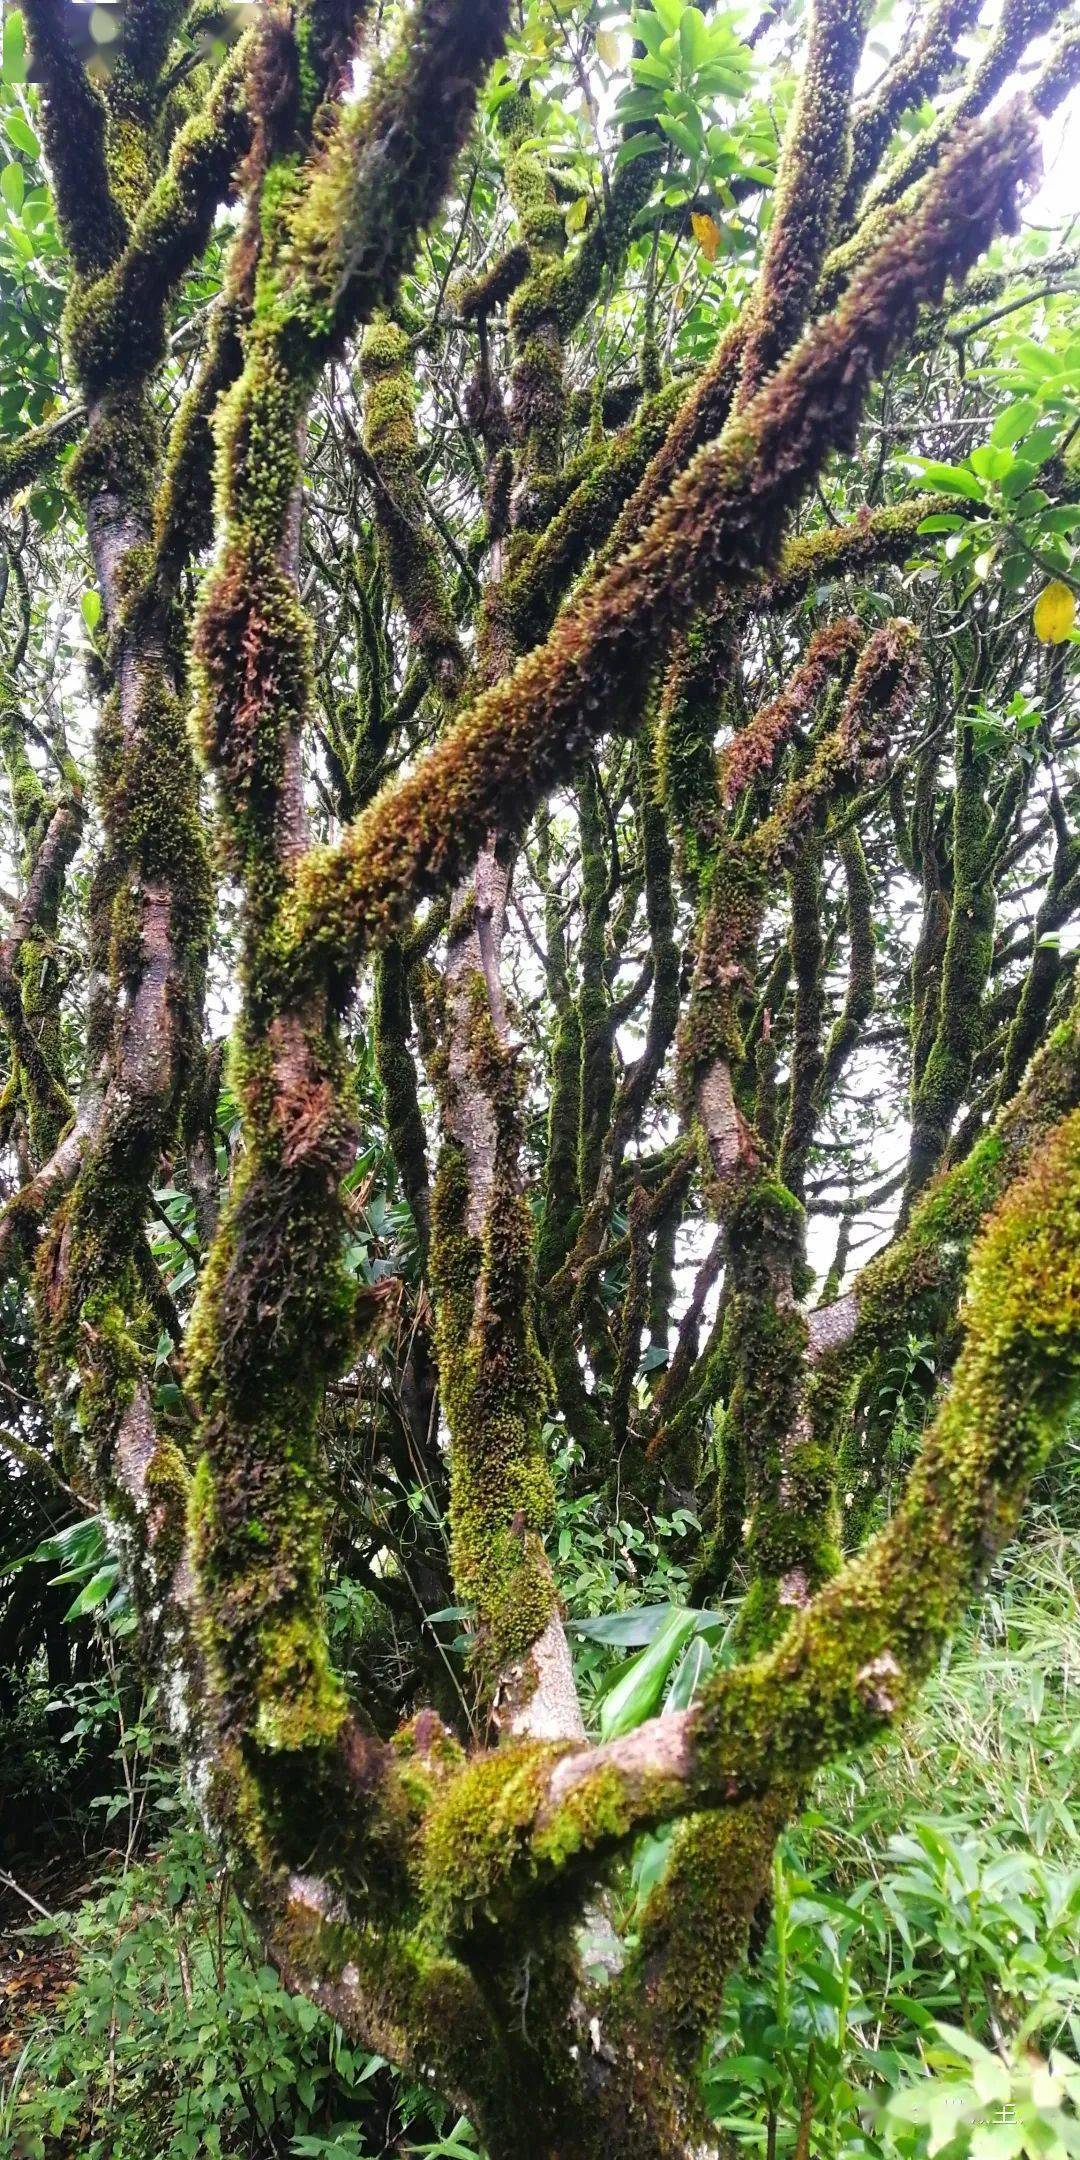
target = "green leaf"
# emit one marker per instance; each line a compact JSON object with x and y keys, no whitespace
{"x":21,"y":135}
{"x":638,"y":1690}
{"x":654,"y":71}
{"x":952,"y":479}
{"x":635,"y":146}
{"x":997,"y":2141}
{"x":681,"y":135}
{"x":694,"y":38}
{"x":95,"y":1592}
{"x":1063,"y":519}
{"x":625,"y":1630}
{"x":991,"y":463}
{"x":14,"y":48}
{"x":1013,"y":422}
{"x":90,"y":608}
{"x":13,"y":186}
{"x":1018,"y":479}
{"x":643,"y":1623}
{"x":956,"y":2039}
{"x":696,"y":1661}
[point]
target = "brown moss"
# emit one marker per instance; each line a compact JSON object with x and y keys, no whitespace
{"x":913,"y":77}
{"x":813,"y":163}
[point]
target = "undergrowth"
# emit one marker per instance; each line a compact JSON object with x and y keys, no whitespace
{"x":913,"y":1989}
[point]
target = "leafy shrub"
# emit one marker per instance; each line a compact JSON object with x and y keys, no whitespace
{"x":918,"y":1990}
{"x":176,"y":2039}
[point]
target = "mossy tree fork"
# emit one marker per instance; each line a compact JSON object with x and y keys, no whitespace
{"x":426,"y":1884}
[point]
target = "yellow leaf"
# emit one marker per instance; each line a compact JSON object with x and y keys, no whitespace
{"x":1055,"y":613}
{"x":706,"y":233}
{"x":577,"y":214}
{"x":607,"y":48}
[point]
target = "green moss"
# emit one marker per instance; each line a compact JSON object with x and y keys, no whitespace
{"x":492,"y":1834}
{"x":537,"y":399}
{"x":594,"y":1001}
{"x":36,"y":449}
{"x":419,"y":2005}
{"x":119,"y":454}
{"x":632,"y":1318}
{"x":167,"y":1489}
{"x":534,"y":590}
{"x":184,"y":504}
{"x":258,"y":1515}
{"x":913,"y":78}
{"x":957,"y":1024}
{"x":807,"y":1053}
{"x":92,"y":1322}
{"x":721,"y":524}
{"x":1020,"y":22}
{"x":413,"y":564}
{"x":30,"y":999}
{"x":849,"y":1663}
{"x":887,"y":534}
{"x":92,"y":224}
{"x":915,"y":1286}
{"x":474,"y":1839}
{"x":561,"y":1214}
{"x":493,"y":1385}
{"x":475,"y":297}
{"x":115,"y":324}
{"x":694,"y":1932}
{"x":712,"y":1030}
{"x":697,"y":701}
{"x":150,"y":807}
{"x":349,"y":241}
{"x":862,"y":959}
{"x":397,"y":1072}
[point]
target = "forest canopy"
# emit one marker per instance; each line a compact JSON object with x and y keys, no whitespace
{"x":539,"y":725}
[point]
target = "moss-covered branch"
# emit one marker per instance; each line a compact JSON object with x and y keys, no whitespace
{"x":915,"y":1285}
{"x":275,"y":1313}
{"x":723,"y":521}
{"x":807,"y":1053}
{"x":965,"y":967}
{"x":1044,"y":969}
{"x":770,"y":1450}
{"x":74,"y":122}
{"x":1020,"y":22}
{"x":914,"y":75}
{"x":813,"y":165}
{"x":33,"y":452}
{"x":349,"y":239}
{"x":50,"y":829}
{"x":397,"y":1071}
{"x":413,"y":564}
{"x":851,"y":1662}
{"x":116,"y":323}
{"x":862,"y":961}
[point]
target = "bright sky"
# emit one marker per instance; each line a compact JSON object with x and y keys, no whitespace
{"x":1058,"y":199}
